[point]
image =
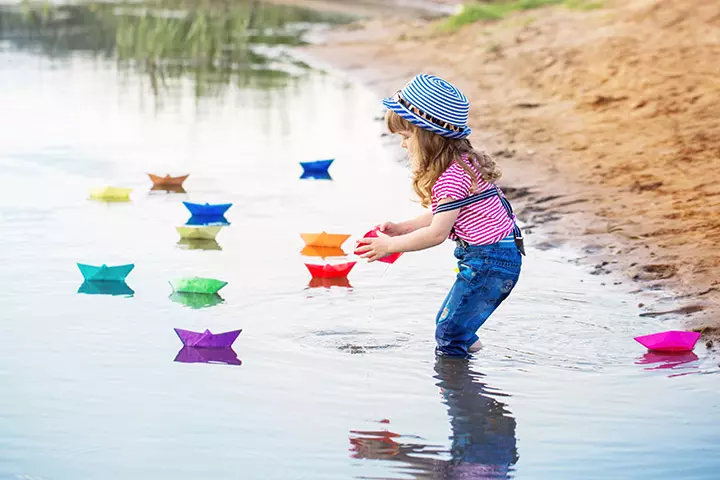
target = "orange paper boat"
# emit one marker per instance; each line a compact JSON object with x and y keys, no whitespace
{"x":324,"y":239}
{"x":167,"y":180}
{"x":323,"y":252}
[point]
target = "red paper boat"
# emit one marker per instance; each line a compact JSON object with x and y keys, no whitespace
{"x":388,"y":258}
{"x":670,"y":341}
{"x":330,"y":271}
{"x":167,"y":180}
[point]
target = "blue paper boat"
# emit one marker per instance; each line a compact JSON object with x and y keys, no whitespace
{"x":207,"y":210}
{"x":100,"y":287}
{"x":105,"y":273}
{"x":207,"y":220}
{"x":318,"y":166}
{"x":316,"y":176}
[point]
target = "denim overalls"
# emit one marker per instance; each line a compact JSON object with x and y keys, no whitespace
{"x":487,"y":275}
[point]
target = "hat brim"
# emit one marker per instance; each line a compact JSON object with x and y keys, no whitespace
{"x":418,"y":121}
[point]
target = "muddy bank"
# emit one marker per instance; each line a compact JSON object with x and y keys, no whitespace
{"x":376,"y":8}
{"x":607,"y":124}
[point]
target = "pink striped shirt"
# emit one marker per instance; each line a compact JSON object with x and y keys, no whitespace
{"x":480,"y":223}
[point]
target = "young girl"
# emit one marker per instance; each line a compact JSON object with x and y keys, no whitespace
{"x":458,"y":183}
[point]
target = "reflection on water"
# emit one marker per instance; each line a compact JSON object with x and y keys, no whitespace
{"x":667,"y":360}
{"x":207,"y":220}
{"x":316,"y":176}
{"x":216,"y":44}
{"x":226,"y":356}
{"x":329,"y":282}
{"x":322,"y":252}
{"x":168,"y":189}
{"x":97,"y":287}
{"x":483,"y":439}
{"x":198,"y":244}
{"x":196,"y":300}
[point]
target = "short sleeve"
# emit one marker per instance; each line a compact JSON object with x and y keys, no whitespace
{"x":453,"y":183}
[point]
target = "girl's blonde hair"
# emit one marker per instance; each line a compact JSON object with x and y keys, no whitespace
{"x":435,"y":155}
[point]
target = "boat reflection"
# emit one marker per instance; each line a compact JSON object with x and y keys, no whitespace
{"x":105,"y":287}
{"x":224,"y":356}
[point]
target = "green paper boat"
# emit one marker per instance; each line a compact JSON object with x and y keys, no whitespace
{"x":196,"y":300}
{"x":197,"y":285}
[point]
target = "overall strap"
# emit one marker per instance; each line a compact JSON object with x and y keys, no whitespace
{"x":489,"y":193}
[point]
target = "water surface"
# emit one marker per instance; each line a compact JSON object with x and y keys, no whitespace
{"x":337,"y":382}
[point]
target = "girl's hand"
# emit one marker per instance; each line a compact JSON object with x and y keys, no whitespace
{"x":391,"y":229}
{"x":374,"y":248}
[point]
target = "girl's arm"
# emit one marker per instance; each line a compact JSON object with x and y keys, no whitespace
{"x":408,"y":226}
{"x":422,"y":238}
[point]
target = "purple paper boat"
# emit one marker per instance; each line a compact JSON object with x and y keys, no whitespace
{"x":225,"y":356}
{"x":207,"y":339}
{"x":670,"y":341}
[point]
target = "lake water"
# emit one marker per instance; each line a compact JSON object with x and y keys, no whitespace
{"x":336,"y":382}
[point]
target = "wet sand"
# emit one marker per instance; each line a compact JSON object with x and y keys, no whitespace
{"x":605,"y":124}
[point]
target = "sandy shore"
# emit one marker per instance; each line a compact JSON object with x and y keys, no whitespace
{"x":606,"y":124}
{"x":378,"y":8}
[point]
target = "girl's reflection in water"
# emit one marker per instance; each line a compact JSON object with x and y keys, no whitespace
{"x":483,"y":432}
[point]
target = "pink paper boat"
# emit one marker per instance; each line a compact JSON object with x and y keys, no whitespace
{"x":207,"y":339}
{"x":392,"y":258}
{"x":670,"y":341}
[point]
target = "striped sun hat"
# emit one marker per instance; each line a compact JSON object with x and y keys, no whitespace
{"x":433,"y":104}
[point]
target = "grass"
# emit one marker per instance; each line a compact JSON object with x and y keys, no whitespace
{"x":487,"y":11}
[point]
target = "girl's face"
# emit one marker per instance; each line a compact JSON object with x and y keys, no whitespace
{"x":409,"y":143}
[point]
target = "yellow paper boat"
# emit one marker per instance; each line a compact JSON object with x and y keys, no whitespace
{"x":324,"y":239}
{"x":111,"y":194}
{"x":199,"y":232}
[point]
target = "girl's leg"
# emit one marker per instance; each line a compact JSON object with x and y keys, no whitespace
{"x":476,"y":294}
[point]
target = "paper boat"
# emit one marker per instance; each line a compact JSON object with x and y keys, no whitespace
{"x":207,"y":220}
{"x":199,"y":232}
{"x":99,"y":287}
{"x":195,"y":244}
{"x":316,"y":176}
{"x":323,"y":252}
{"x":341,"y":282}
{"x":197,"y":300}
{"x":670,"y":341}
{"x":207,"y":339}
{"x":324,"y":239}
{"x":330,"y":271}
{"x":207,"y":210}
{"x":318,"y":166}
{"x":197,"y":285}
{"x":167,"y":180}
{"x":225,"y":356}
{"x":392,"y":258}
{"x":111,"y":194}
{"x":105,"y":273}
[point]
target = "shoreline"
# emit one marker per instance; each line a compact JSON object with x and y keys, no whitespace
{"x":549,"y":194}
